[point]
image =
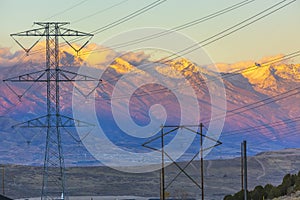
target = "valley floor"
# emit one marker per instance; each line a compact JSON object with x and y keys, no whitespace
{"x":221,"y":177}
{"x":96,"y":198}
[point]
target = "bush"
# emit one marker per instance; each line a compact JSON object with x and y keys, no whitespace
{"x":239,"y":195}
{"x":228,"y":197}
{"x":258,"y":193}
{"x":290,"y":183}
{"x":268,"y":188}
{"x":274,"y":192}
{"x":288,"y":180}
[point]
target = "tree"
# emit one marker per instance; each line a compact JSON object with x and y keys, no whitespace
{"x":229,"y":197}
{"x":290,"y":183}
{"x":268,"y":188}
{"x":239,"y":195}
{"x":274,"y":192}
{"x":258,"y":193}
{"x":297,"y":182}
{"x":288,"y":180}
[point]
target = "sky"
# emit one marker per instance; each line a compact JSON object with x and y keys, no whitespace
{"x":273,"y":35}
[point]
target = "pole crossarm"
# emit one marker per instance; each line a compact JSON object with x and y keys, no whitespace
{"x":41,"y":122}
{"x":198,"y":133}
{"x":156,"y":138}
{"x":187,"y":127}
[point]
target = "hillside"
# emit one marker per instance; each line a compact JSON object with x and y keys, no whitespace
{"x":264,"y":95}
{"x":295,"y":196}
{"x":222,"y":177}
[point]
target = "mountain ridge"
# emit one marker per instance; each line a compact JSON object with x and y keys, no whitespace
{"x":242,"y":89}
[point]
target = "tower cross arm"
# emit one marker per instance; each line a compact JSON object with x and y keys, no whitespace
{"x":38,"y":76}
{"x":32,"y":32}
{"x":72,"y":76}
{"x":70,"y":32}
{"x":42,"y":122}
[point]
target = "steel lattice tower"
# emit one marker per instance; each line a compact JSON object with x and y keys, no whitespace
{"x":54,"y":180}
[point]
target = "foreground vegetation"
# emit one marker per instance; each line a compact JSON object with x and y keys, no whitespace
{"x":290,"y":184}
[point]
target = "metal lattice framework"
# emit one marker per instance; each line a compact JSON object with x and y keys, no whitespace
{"x":54,"y":180}
{"x":182,"y":170}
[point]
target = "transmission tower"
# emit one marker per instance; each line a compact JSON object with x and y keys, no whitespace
{"x":54,"y":180}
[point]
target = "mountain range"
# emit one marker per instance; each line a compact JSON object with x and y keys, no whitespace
{"x":262,"y":102}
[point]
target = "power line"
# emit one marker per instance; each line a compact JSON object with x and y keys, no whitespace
{"x":257,"y":14}
{"x":223,"y":76}
{"x":260,"y":103}
{"x":125,"y":19}
{"x":239,"y":110}
{"x":266,"y":131}
{"x":99,"y":12}
{"x":288,"y":133}
{"x":177,"y":28}
{"x":164,"y":60}
{"x":293,"y":131}
{"x":129,"y":17}
{"x":156,"y":3}
{"x":11,"y":69}
{"x":255,"y":145}
{"x":268,"y":99}
{"x":119,"y":21}
{"x":219,"y":35}
{"x":235,"y":73}
{"x":262,"y":127}
{"x":66,"y":10}
{"x":206,"y":41}
{"x":54,"y":168}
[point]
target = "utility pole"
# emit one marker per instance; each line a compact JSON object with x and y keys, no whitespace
{"x":172,"y":129}
{"x":242,"y":167}
{"x":201,"y":161}
{"x":162,"y":175}
{"x":245,"y":168}
{"x":54,"y":180}
{"x":3,"y":172}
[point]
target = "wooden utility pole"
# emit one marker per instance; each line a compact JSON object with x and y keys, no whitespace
{"x":3,"y":172}
{"x":162,"y":175}
{"x":201,"y":161}
{"x":245,"y":169}
{"x":242,"y":167}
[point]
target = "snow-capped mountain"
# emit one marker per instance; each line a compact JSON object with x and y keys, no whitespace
{"x":262,"y":102}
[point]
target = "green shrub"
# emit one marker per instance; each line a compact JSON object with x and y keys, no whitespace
{"x":274,"y":192}
{"x":290,"y":183}
{"x":258,"y":193}
{"x":228,"y":197}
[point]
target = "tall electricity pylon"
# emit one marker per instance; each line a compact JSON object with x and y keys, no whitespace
{"x":54,"y":180}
